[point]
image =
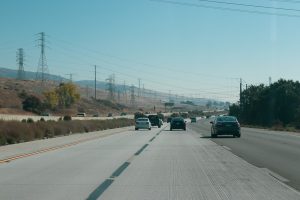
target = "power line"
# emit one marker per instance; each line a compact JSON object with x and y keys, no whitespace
{"x":250,"y":5}
{"x":225,"y":8}
{"x":286,"y":1}
{"x":138,"y":63}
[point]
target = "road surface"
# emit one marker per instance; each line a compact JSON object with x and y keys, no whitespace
{"x":135,"y":165}
{"x":272,"y":150}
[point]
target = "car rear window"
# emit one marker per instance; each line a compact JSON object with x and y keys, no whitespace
{"x":177,"y":119}
{"x":227,"y":119}
{"x":143,"y":119}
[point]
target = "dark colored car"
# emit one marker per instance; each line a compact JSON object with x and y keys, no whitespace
{"x":225,"y":125}
{"x":177,"y":123}
{"x":123,"y":113}
{"x":154,"y":119}
{"x":193,"y":120}
{"x":96,"y":115}
{"x":169,"y":119}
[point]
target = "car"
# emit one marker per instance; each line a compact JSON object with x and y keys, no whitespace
{"x":109,"y":115}
{"x":193,"y":120}
{"x":123,"y":113}
{"x":82,"y":114}
{"x":45,"y":114}
{"x":142,"y":123}
{"x":96,"y":115}
{"x":154,"y":119}
{"x":177,"y":123}
{"x":225,"y":125}
{"x":161,"y":122}
{"x":169,"y":119}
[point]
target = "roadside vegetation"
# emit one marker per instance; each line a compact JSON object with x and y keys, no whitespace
{"x":276,"y":106}
{"x":61,"y":97}
{"x":12,"y":132}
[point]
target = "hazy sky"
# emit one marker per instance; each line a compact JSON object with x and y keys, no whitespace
{"x":189,"y":50}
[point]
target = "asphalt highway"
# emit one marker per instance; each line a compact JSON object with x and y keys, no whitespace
{"x":278,"y":152}
{"x":135,"y":165}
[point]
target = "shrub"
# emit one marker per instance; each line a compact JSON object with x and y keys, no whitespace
{"x":42,"y":119}
{"x":32,"y":104}
{"x":67,"y":118}
{"x":12,"y":132}
{"x":30,"y":120}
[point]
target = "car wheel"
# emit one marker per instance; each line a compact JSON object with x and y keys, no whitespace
{"x":149,"y":129}
{"x":238,"y":135}
{"x":136,"y":129}
{"x":159,"y":126}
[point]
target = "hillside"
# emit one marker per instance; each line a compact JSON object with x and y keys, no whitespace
{"x":12,"y":92}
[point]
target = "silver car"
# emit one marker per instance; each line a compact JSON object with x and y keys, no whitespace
{"x":142,"y":123}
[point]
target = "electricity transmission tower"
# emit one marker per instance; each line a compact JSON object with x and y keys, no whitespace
{"x":111,"y":87}
{"x":119,"y":96}
{"x":125,"y":92}
{"x":42,"y":70}
{"x":20,"y":62}
{"x":70,"y":77}
{"x":132,"y":97}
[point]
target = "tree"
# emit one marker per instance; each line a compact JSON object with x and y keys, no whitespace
{"x":63,"y":96}
{"x":51,"y":99}
{"x":67,"y":94}
{"x":32,"y":104}
{"x":263,"y":105}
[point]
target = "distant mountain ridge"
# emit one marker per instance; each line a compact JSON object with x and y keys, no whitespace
{"x":11,"y":73}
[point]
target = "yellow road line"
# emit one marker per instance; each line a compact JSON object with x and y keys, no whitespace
{"x":6,"y":160}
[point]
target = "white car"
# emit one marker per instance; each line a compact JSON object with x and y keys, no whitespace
{"x":142,"y":123}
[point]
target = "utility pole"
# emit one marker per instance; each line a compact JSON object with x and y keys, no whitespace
{"x":20,"y":62}
{"x":42,"y":66}
{"x":143,"y":91}
{"x":95,"y":82}
{"x":270,"y":80}
{"x":139,"y":92}
{"x":241,"y":85}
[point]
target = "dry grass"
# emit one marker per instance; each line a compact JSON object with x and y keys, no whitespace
{"x":12,"y":132}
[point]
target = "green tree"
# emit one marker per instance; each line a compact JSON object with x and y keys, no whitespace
{"x":276,"y":104}
{"x":33,"y":104}
{"x":51,"y":99}
{"x":67,"y":94}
